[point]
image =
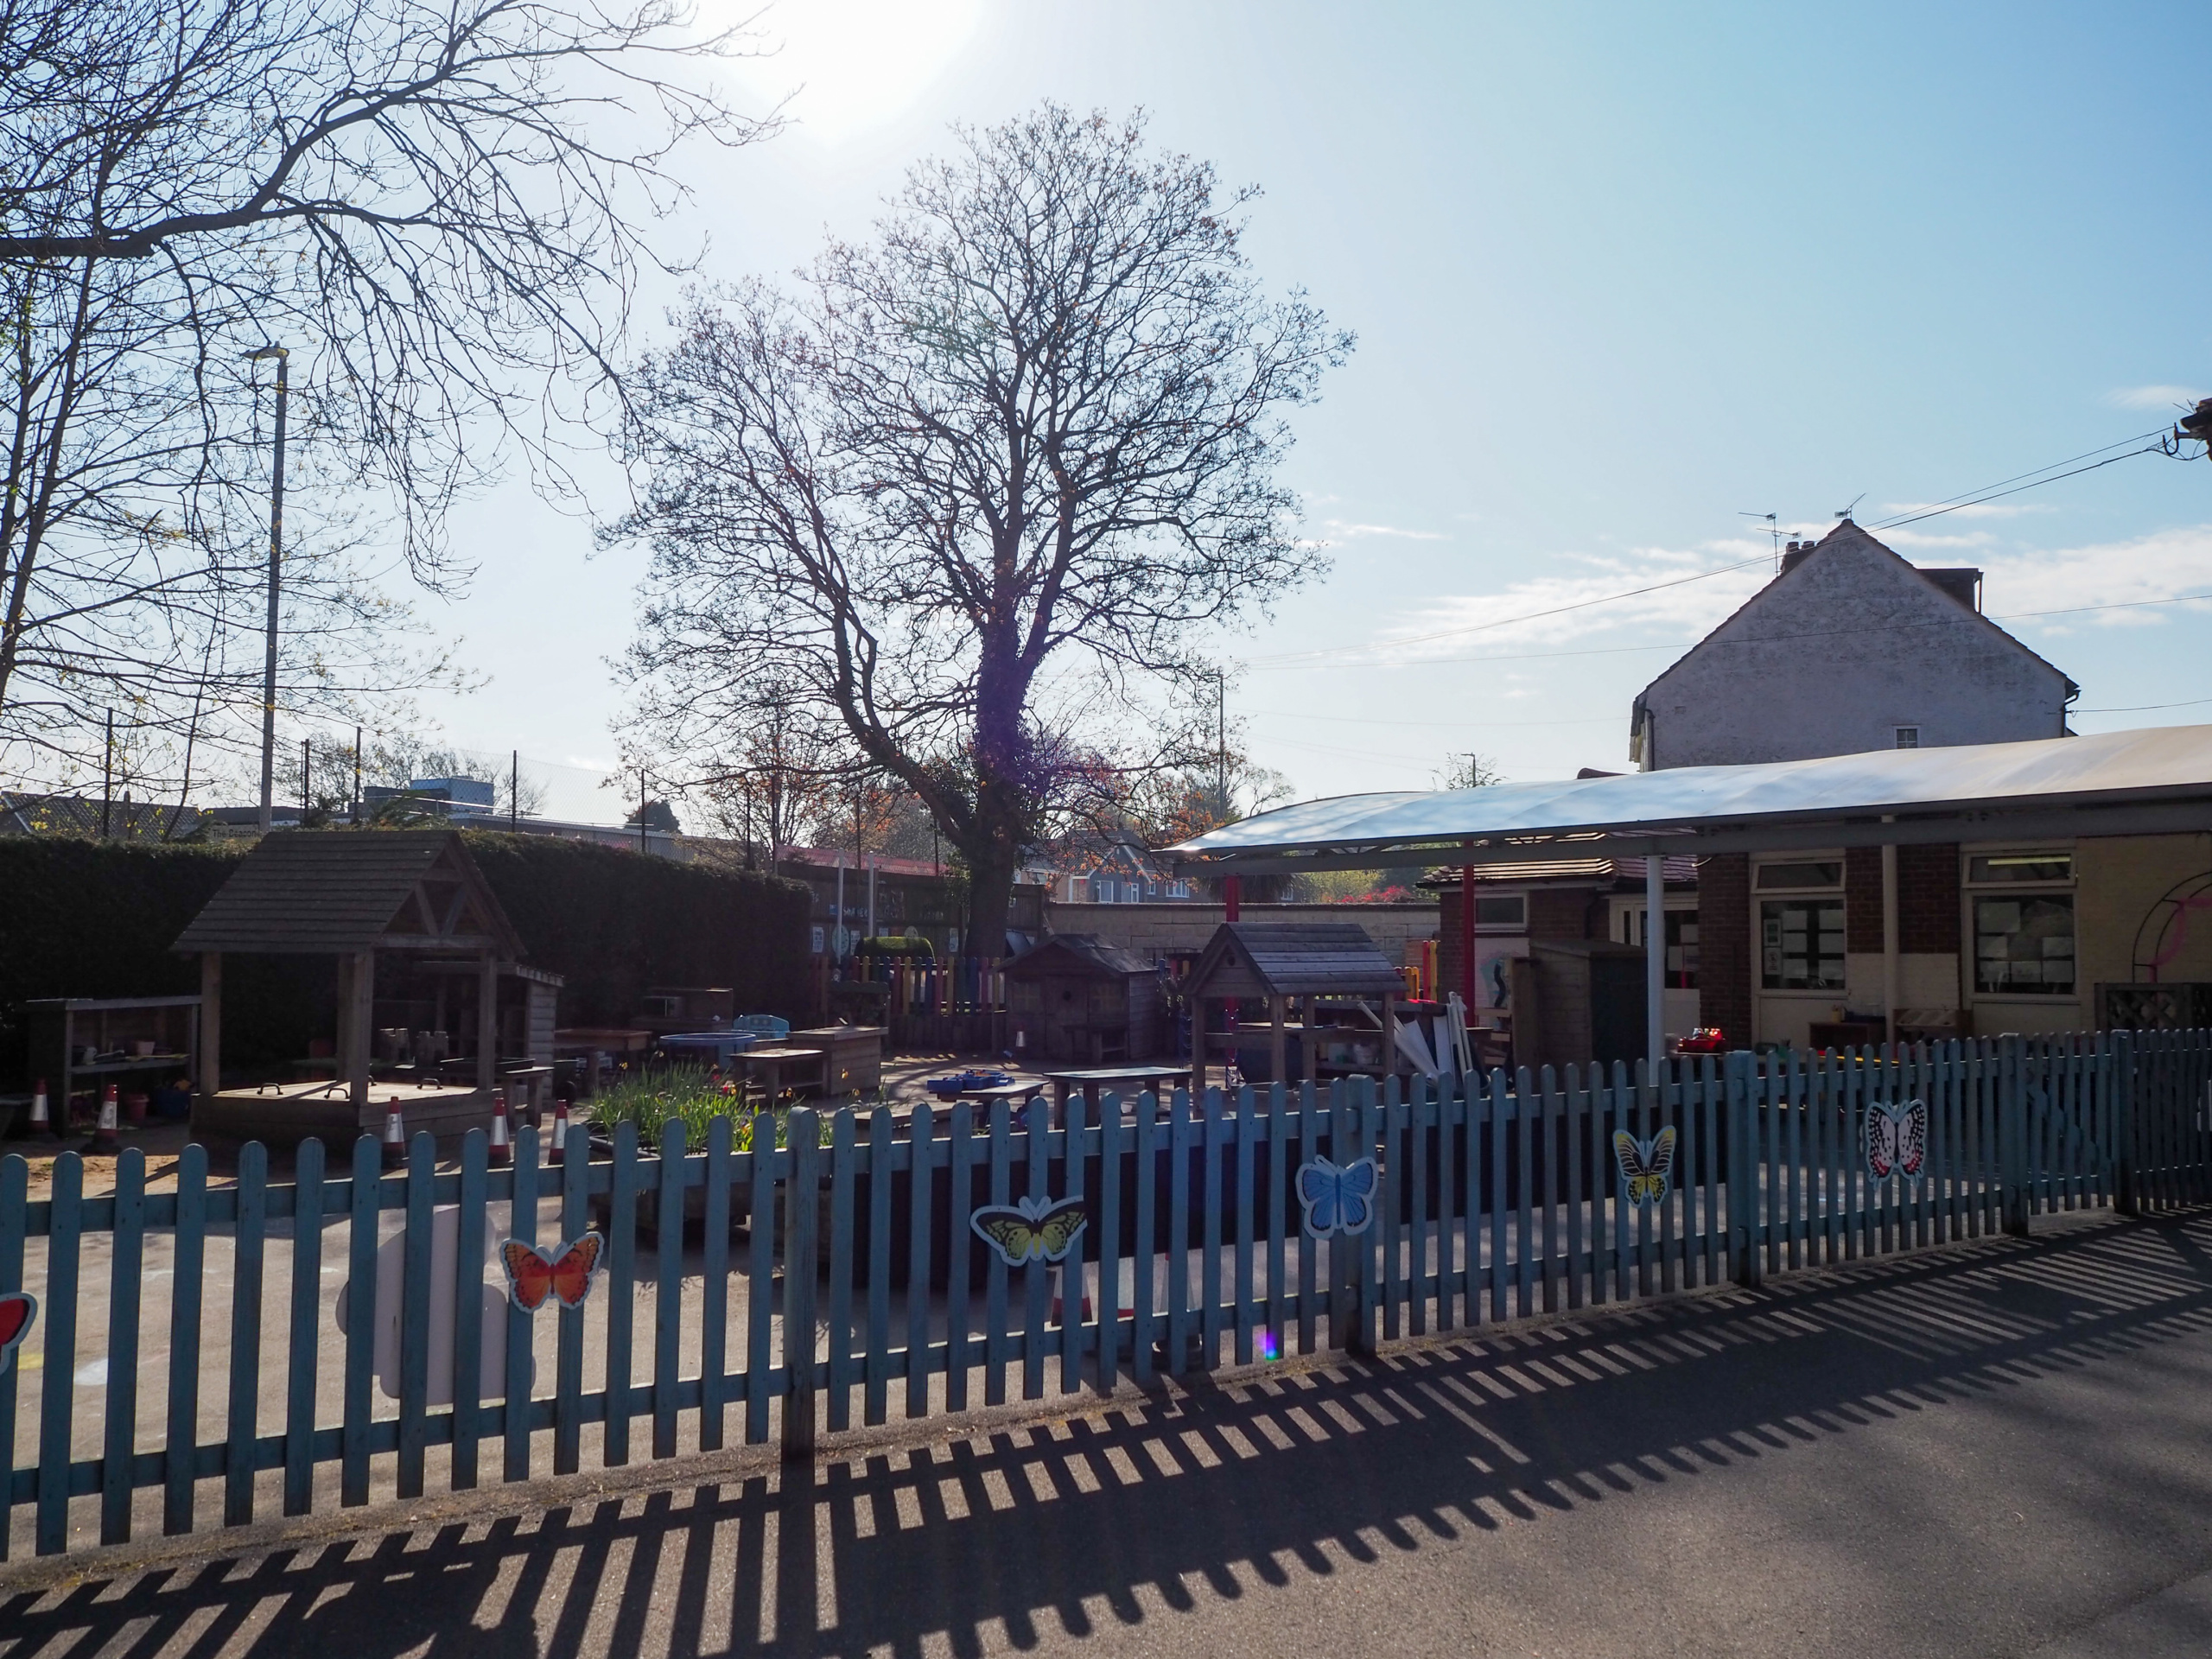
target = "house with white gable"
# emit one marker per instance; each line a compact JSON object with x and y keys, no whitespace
{"x":1851,"y":648}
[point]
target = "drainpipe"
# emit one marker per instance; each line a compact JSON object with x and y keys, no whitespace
{"x":1890,"y":962}
{"x":1655,"y":960}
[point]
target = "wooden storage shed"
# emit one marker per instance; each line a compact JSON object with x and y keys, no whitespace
{"x":414,"y":899}
{"x":1274,"y":965}
{"x":1077,"y":999}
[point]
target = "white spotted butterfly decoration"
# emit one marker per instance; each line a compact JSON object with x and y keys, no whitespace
{"x":1337,"y":1199}
{"x":1896,"y":1139}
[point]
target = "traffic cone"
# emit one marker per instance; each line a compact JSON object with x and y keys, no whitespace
{"x":395,"y":1135}
{"x":105,"y":1136}
{"x":503,"y":1151}
{"x":42,"y":1115}
{"x":559,"y":1155}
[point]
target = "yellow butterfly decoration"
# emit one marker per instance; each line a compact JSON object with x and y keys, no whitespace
{"x":1646,"y":1165}
{"x":1030,"y":1229}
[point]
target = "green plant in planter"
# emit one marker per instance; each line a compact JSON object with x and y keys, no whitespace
{"x":692,"y":1095}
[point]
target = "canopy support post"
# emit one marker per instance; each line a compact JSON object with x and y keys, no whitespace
{"x":1655,"y":960}
{"x":211,"y":1023}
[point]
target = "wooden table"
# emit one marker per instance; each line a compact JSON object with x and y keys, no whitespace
{"x":773,"y":1060}
{"x":1091,"y":1080}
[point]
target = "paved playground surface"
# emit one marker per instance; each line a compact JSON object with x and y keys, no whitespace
{"x":2001,"y":1448}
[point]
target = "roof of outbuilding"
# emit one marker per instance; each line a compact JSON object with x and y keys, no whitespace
{"x":303,"y":890}
{"x":1087,"y":947}
{"x":1300,"y":958}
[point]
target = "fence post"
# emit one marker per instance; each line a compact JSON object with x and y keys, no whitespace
{"x":1742,"y":1152}
{"x":2012,"y":1134}
{"x":2119,"y":1050}
{"x":1345,"y":1249}
{"x":802,"y":1203}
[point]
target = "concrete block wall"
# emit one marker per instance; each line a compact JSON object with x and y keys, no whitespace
{"x":1158,"y":931}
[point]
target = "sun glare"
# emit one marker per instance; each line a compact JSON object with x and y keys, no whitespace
{"x":851,"y":65}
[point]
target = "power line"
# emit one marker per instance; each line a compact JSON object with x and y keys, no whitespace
{"x":1766,"y":640}
{"x":1951,"y":502}
{"x":1897,"y":523}
{"x":1509,"y":621}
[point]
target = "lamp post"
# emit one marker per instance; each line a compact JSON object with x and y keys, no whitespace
{"x":275,"y":561}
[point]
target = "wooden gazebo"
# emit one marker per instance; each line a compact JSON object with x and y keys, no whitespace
{"x":1276,"y":964}
{"x":354,"y":895}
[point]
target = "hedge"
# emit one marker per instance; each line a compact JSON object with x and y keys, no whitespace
{"x":84,"y":919}
{"x":615,"y":922}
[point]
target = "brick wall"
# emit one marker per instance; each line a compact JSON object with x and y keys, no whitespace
{"x":1725,"y":966}
{"x":1928,"y":899}
{"x":1862,"y":899}
{"x":1554,"y":914}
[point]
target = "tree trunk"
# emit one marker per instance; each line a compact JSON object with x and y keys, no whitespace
{"x":990,"y":896}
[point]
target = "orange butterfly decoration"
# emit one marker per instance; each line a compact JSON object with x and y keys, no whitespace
{"x":565,"y":1273}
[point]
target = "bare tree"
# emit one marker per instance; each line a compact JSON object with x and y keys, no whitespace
{"x":435,"y":208}
{"x":978,"y":489}
{"x":1468,"y":771}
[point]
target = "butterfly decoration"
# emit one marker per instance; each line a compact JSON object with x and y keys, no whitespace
{"x":564,"y":1272}
{"x":1896,"y":1139}
{"x":1337,"y":1200}
{"x":1029,"y":1230}
{"x":17,"y":1309}
{"x":1647,"y":1167}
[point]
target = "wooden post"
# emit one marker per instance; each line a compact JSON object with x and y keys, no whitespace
{"x":1277,"y":1051}
{"x":1389,"y":1035}
{"x":211,"y":1023}
{"x":487,"y":1023}
{"x":357,"y":992}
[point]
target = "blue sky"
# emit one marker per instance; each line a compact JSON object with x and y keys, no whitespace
{"x":1619,"y":274}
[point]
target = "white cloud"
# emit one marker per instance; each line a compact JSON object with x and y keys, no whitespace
{"x":1338,"y":529}
{"x":2153,"y":398}
{"x":2155,"y":567}
{"x":1550,"y":609}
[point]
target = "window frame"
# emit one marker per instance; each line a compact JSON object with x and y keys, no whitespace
{"x":1973,"y":890}
{"x":1835,"y":894}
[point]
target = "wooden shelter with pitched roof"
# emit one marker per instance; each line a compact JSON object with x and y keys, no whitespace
{"x":416,"y":895}
{"x":1310,"y":963}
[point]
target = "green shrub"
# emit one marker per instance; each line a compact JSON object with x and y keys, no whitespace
{"x":653,"y":1098}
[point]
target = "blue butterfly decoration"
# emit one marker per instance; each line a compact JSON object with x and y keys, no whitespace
{"x":1337,"y":1200}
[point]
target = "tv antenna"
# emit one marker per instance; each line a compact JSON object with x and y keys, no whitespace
{"x":1773,"y":529}
{"x":1844,"y":517}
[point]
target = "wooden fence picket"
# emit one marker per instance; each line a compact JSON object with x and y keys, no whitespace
{"x":1499,"y":1197}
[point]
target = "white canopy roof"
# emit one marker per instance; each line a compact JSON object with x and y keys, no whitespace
{"x":2121,"y":783}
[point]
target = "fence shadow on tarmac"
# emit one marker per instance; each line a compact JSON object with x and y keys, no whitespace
{"x":1142,"y":1507}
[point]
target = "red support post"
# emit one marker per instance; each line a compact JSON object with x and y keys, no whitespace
{"x":1467,"y":939}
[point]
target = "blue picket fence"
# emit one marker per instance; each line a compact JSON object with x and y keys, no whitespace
{"x":300,"y":1342}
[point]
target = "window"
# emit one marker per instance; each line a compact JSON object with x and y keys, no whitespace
{"x":1800,"y":944}
{"x":1982,"y":870}
{"x":1506,"y":910}
{"x":2025,"y":944}
{"x":1823,"y":874}
{"x":1908,"y":737}
{"x":2023,"y":939}
{"x":1680,"y":964}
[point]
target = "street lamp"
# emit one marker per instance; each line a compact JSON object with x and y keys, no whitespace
{"x":275,"y":561}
